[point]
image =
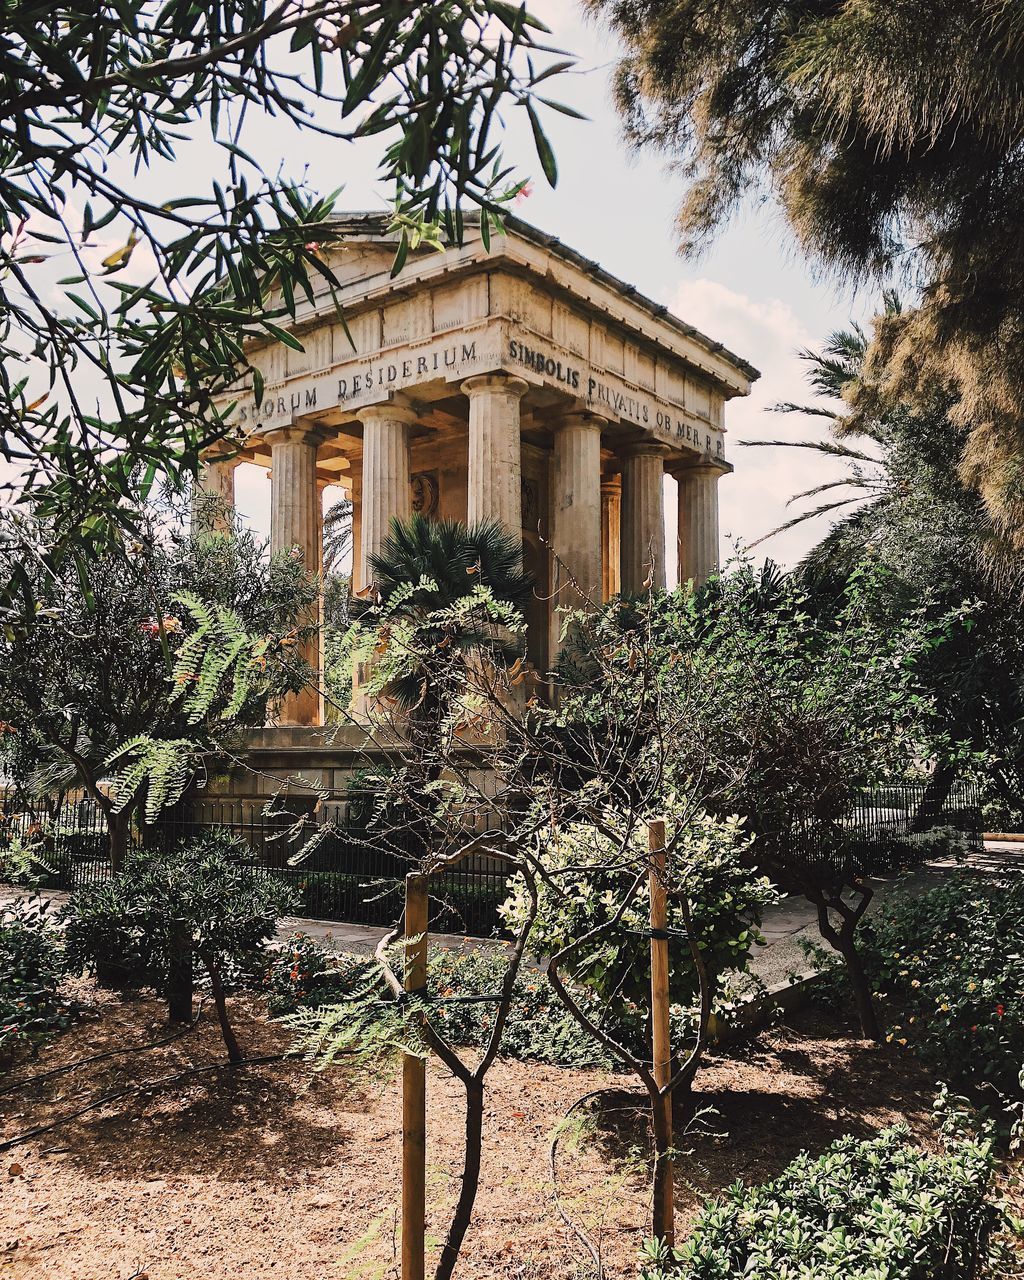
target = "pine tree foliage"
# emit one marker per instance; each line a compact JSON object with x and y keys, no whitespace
{"x":892,"y":136}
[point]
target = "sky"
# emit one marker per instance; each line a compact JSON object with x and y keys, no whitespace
{"x":752,"y":291}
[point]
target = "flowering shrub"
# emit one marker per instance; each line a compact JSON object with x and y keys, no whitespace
{"x":31,"y":969}
{"x":876,"y":1210}
{"x":950,"y":966}
{"x":304,"y":973}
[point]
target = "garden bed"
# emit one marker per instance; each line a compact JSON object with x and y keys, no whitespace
{"x":269,"y":1173}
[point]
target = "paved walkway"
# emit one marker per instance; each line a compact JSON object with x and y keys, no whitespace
{"x":784,"y":925}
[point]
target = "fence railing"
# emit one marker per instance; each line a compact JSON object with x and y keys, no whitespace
{"x":343,"y":869}
{"x":887,"y":828}
{"x":339,"y":865}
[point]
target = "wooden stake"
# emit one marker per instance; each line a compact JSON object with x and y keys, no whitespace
{"x":661,"y":1039}
{"x":414,"y":1091}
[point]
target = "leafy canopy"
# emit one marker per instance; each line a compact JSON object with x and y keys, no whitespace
{"x":123,"y":314}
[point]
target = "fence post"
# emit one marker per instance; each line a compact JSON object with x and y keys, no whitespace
{"x":661,"y":1039}
{"x":414,"y":1091}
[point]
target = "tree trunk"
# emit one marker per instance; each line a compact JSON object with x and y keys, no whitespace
{"x":844,"y":940}
{"x":179,"y":973}
{"x":862,"y":995}
{"x":470,"y":1181}
{"x":936,"y":793}
{"x":119,"y":827}
{"x":230,"y":1043}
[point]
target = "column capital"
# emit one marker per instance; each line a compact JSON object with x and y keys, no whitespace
{"x":580,"y":418}
{"x":296,"y":432}
{"x":392,"y":410}
{"x":611,"y":482}
{"x":643,"y":449}
{"x":505,"y":382}
{"x":701,"y":464}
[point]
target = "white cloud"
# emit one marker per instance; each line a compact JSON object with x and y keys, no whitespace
{"x":769,"y":334}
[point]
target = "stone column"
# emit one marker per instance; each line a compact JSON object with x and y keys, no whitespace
{"x":576,"y":510}
{"x":642,"y":526}
{"x":384,"y":489}
{"x":296,"y":528}
{"x":611,"y":506}
{"x":495,"y":458}
{"x":698,"y":521}
{"x":213,"y":498}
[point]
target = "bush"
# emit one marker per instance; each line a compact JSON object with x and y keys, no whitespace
{"x":31,"y":968}
{"x":882,"y":1209}
{"x":202,"y":901}
{"x":950,"y":964}
{"x":305,"y":974}
{"x":109,"y":931}
{"x":726,"y":899}
{"x":21,"y":861}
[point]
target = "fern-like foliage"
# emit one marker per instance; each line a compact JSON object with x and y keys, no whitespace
{"x":163,"y":767}
{"x":368,"y":1032}
{"x":218,"y":654}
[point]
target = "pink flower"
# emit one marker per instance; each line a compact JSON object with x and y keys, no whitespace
{"x":526,"y":192}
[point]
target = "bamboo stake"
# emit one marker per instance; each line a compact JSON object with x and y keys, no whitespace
{"x":414,"y":1091}
{"x":661,"y":1040}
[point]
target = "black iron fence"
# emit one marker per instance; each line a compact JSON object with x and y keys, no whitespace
{"x":341,"y":868}
{"x":889,"y":828}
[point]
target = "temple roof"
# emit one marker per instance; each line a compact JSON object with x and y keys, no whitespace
{"x":372,"y":228}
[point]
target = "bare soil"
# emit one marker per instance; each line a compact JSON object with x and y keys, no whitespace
{"x":268,"y":1171}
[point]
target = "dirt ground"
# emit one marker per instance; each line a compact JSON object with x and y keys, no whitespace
{"x":270,"y":1171}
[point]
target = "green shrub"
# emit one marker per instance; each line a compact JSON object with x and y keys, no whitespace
{"x":109,"y":931}
{"x":538,"y":1028}
{"x":950,"y":965}
{"x":881,"y":1209}
{"x":163,"y":911}
{"x":305,"y":974}
{"x":31,"y":968}
{"x":22,"y":861}
{"x":710,"y":870}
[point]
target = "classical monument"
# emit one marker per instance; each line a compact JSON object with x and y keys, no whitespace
{"x":518,"y":381}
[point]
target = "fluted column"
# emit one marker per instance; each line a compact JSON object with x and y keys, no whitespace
{"x":698,"y":521}
{"x":213,"y":499}
{"x":576,"y":510}
{"x":611,"y":510}
{"x":642,"y":526}
{"x":296,"y":528}
{"x":385,"y":480}
{"x":495,"y":459}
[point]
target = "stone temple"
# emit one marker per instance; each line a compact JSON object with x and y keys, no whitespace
{"x":518,"y":381}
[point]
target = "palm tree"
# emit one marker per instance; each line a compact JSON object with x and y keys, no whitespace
{"x":426,"y":566}
{"x":337,"y":535}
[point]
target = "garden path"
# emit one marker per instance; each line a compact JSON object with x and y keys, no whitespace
{"x":784,"y":925}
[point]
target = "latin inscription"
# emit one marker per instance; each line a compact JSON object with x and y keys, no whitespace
{"x":380,"y":375}
{"x":612,"y":400}
{"x":278,"y":408}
